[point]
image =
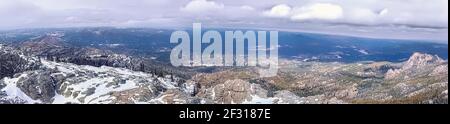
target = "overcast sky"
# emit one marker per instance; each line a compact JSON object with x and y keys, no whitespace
{"x":414,"y":19}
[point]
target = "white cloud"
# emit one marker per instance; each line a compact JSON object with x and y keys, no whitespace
{"x":42,"y":13}
{"x":281,"y":10}
{"x":426,"y":14}
{"x":247,"y":7}
{"x":362,"y":16}
{"x":318,"y":11}
{"x":415,"y":13}
{"x":197,"y":6}
{"x":18,"y":13}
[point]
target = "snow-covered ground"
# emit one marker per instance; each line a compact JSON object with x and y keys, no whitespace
{"x":88,"y":84}
{"x":14,"y":93}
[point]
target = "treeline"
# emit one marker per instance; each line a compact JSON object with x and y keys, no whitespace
{"x":11,"y":64}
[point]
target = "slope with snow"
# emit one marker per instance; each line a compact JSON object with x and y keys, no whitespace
{"x":88,"y":84}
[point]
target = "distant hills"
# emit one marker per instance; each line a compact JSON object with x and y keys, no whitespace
{"x":154,"y":43}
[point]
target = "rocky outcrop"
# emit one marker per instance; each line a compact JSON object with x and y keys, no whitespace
{"x":178,"y":97}
{"x":421,"y":79}
{"x":238,"y":91}
{"x":418,"y":61}
{"x":286,"y":97}
{"x":440,"y":70}
{"x":38,"y":85}
{"x":233,"y":91}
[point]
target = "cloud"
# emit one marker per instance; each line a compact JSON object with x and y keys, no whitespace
{"x":281,"y":10}
{"x":247,"y":7}
{"x":197,"y":6}
{"x":362,"y":16}
{"x":305,"y":15}
{"x":42,"y":13}
{"x":18,"y":13}
{"x":416,"y":13}
{"x":318,"y":11}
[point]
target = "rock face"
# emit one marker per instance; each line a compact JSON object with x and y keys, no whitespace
{"x":440,"y":70}
{"x":238,"y":91}
{"x":234,"y":91}
{"x":178,"y":97}
{"x":286,"y":97}
{"x":421,"y":79}
{"x":418,"y":61}
{"x":38,"y":85}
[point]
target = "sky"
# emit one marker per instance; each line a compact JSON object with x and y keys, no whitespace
{"x":402,"y":19}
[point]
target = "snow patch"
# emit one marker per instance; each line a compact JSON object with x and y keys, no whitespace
{"x":13,"y":92}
